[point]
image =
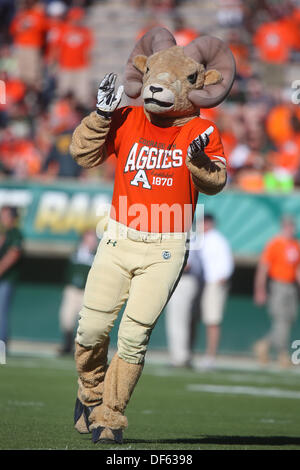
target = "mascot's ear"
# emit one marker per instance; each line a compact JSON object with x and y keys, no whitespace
{"x":212,"y":77}
{"x":140,"y":63}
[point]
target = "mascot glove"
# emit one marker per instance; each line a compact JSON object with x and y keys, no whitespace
{"x":107,"y":99}
{"x":198,"y":145}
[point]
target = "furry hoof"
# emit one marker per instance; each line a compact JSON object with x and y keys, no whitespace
{"x":81,"y":417}
{"x":107,"y":435}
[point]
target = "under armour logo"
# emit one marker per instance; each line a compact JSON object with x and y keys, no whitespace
{"x":112,"y":242}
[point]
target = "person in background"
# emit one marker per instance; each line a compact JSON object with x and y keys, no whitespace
{"x":10,"y":253}
{"x":179,"y":312}
{"x":73,"y":58}
{"x":7,"y":12}
{"x":78,"y":268}
{"x":280,"y":262}
{"x":182,"y":32}
{"x":218,"y":265}
{"x":56,"y":24}
{"x":63,"y":118}
{"x":56,"y":12}
{"x":18,"y":152}
{"x":28,"y":30}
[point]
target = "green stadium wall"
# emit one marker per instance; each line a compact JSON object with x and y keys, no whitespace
{"x":57,"y":213}
{"x":34,"y":317}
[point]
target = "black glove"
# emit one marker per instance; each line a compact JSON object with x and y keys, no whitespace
{"x":198,"y":145}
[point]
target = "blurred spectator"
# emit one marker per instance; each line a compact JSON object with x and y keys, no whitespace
{"x":14,"y":95}
{"x":179,"y":321}
{"x":7,"y":11}
{"x":241,"y":53}
{"x":283,"y":123}
{"x":271,"y":43}
{"x":275,"y":40}
{"x":59,"y":162}
{"x":182,"y":33}
{"x":18,"y":152}
{"x":28,"y":30}
{"x":209,"y":268}
{"x":230,"y":13}
{"x":78,"y":268}
{"x":55,"y":25}
{"x":280,"y":262}
{"x":74,"y":58}
{"x":217,"y":263}
{"x":64,"y":114}
{"x":10,"y":252}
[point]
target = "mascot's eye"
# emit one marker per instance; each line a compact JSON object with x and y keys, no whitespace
{"x":192,"y":78}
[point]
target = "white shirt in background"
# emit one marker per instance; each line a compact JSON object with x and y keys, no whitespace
{"x":215,"y":256}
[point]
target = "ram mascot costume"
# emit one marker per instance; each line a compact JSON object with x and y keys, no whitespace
{"x":166,"y":154}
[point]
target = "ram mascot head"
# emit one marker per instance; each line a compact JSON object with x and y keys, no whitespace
{"x":176,"y":81}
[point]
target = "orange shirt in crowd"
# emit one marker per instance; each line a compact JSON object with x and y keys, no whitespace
{"x":14,"y":92}
{"x":241,"y":55}
{"x":75,"y":45}
{"x":62,"y":116}
{"x":21,"y":153}
{"x":279,"y":125}
{"x":151,"y":170}
{"x":283,"y":259}
{"x":55,"y":29}
{"x":273,"y":42}
{"x":288,"y":156}
{"x":250,"y":180}
{"x":291,"y":31}
{"x":185,"y":36}
{"x":28,"y":27}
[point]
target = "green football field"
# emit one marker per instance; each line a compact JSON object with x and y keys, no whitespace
{"x":171,"y":409}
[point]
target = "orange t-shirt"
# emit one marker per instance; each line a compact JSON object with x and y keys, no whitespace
{"x":28,"y":28}
{"x":55,"y":29}
{"x":21,"y":152}
{"x":14,"y":92}
{"x":75,"y":45}
{"x":290,"y":27}
{"x":185,"y":36}
{"x":272,"y":42}
{"x":278,"y":123}
{"x":153,"y":189}
{"x":283,"y":258}
{"x":287,"y":156}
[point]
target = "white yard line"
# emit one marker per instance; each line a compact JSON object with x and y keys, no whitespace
{"x":34,"y":404}
{"x":242,"y":390}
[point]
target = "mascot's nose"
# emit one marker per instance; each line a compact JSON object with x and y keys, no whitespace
{"x":155,"y":89}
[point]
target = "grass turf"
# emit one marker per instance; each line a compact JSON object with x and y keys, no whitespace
{"x":37,"y":398}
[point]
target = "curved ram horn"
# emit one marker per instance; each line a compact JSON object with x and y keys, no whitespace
{"x":155,"y":40}
{"x":213,"y":54}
